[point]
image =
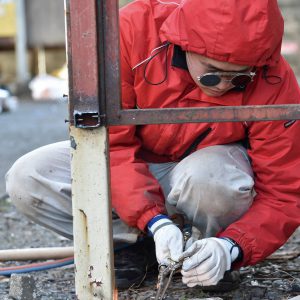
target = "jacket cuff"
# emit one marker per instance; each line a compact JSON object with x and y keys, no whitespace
{"x":144,"y":219}
{"x":244,"y":244}
{"x":155,"y":219}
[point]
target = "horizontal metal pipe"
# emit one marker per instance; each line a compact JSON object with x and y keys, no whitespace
{"x":36,"y":253}
{"x":206,"y":114}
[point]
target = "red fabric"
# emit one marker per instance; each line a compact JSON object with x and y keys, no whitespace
{"x":241,"y":32}
{"x":275,"y":150}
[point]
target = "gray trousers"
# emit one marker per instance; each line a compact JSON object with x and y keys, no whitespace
{"x":211,"y":188}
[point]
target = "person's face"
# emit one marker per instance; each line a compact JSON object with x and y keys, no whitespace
{"x":199,"y":65}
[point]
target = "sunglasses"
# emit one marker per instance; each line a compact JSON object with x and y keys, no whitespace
{"x":237,"y":79}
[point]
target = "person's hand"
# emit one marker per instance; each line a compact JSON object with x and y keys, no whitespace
{"x":168,"y":240}
{"x":206,"y":261}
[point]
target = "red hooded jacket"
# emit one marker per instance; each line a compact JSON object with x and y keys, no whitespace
{"x":241,"y":32}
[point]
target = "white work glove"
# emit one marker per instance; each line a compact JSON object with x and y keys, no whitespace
{"x":168,"y":239}
{"x":206,"y":261}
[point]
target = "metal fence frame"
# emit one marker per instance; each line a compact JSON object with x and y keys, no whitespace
{"x":94,"y":94}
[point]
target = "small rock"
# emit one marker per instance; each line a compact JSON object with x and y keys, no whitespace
{"x":267,"y":282}
{"x":295,"y":288}
{"x":22,"y":287}
{"x":277,"y":283}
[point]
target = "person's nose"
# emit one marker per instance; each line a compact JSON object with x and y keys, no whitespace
{"x":224,"y":84}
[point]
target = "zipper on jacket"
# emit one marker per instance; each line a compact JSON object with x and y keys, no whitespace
{"x":195,"y":144}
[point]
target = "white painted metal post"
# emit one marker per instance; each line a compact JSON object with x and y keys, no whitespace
{"x":92,"y":214}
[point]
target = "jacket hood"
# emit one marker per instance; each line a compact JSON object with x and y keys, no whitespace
{"x":243,"y":32}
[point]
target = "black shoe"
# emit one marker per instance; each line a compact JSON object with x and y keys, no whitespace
{"x":133,"y":262}
{"x":231,"y":281}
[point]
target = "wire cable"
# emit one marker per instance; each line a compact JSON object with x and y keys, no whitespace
{"x":42,"y":266}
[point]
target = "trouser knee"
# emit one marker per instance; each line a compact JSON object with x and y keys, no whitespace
{"x":19,"y":184}
{"x":213,"y":187}
{"x":39,"y":185}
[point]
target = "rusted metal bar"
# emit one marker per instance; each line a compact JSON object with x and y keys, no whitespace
{"x":206,"y":114}
{"x":83,"y":64}
{"x":111,"y":55}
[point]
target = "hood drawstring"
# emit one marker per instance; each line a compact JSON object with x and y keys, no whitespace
{"x":166,"y":66}
{"x":270,"y":79}
{"x":148,"y":59}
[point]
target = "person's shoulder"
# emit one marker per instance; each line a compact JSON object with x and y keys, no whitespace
{"x":274,"y":85}
{"x":135,"y":9}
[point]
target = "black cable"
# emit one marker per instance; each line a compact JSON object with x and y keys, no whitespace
{"x":166,"y":65}
{"x":270,"y":79}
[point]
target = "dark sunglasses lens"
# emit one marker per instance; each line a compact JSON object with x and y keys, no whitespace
{"x":241,"y":80}
{"x":210,"y":80}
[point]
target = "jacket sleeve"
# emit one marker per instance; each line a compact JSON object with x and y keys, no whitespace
{"x":136,"y":194}
{"x":275,"y":155}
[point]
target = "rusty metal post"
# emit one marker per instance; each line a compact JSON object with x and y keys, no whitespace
{"x":89,"y":150}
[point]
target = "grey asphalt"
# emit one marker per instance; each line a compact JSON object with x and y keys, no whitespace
{"x":32,"y":125}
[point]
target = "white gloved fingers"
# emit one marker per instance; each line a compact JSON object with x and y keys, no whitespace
{"x":194,"y":248}
{"x":211,"y":277}
{"x":202,"y":257}
{"x":193,"y":281}
{"x":168,"y":244}
{"x":202,"y":250}
{"x":199,"y":270}
{"x":176,"y":246}
{"x":162,"y":253}
{"x":208,"y":265}
{"x":202,"y":266}
{"x":203,"y":272}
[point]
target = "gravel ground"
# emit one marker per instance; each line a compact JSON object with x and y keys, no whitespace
{"x":32,"y":125}
{"x":271,"y":280}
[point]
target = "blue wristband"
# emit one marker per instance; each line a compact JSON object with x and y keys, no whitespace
{"x":155,"y":219}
